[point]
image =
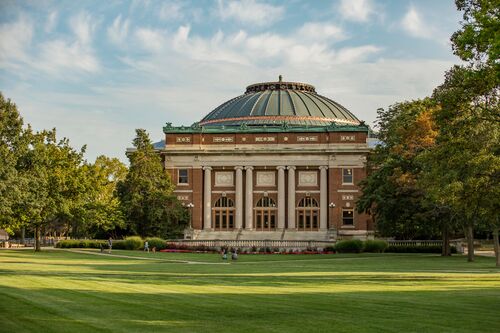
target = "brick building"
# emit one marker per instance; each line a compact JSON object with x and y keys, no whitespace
{"x":278,"y":162}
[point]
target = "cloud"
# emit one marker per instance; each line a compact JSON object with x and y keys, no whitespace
{"x":321,"y":31}
{"x":413,"y":24}
{"x":356,"y":10}
{"x":171,"y":11}
{"x":152,"y":40}
{"x":51,"y":22}
{"x":118,"y":31}
{"x":83,"y":27}
{"x":250,"y":12}
{"x":16,"y":38}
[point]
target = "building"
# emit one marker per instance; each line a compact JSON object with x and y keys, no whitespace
{"x":278,"y":162}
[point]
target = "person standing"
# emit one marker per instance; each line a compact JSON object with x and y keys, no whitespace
{"x":146,"y":246}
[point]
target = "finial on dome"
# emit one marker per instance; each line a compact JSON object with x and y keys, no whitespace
{"x":280,"y":78}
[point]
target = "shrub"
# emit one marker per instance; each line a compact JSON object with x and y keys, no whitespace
{"x":159,"y":243}
{"x":329,"y":249}
{"x":377,"y":246}
{"x":417,"y":249}
{"x":74,"y":243}
{"x":132,"y":243}
{"x":349,"y":246}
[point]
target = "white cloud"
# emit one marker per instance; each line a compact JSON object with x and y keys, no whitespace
{"x":83,"y":27}
{"x":118,"y":31}
{"x":413,"y":23}
{"x":356,"y":54}
{"x":171,"y":11}
{"x":250,"y":12}
{"x":51,"y":22}
{"x":321,"y":31}
{"x":150,"y":39}
{"x":15,"y":41}
{"x":356,"y":10}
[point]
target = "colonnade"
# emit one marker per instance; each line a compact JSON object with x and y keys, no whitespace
{"x":249,"y":206}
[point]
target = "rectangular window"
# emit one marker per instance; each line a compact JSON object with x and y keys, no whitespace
{"x":183,"y":176}
{"x":347,"y":176}
{"x":347,"y":217}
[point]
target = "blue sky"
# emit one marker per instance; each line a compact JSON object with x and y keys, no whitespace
{"x":96,"y":70}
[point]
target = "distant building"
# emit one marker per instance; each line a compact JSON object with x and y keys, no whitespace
{"x":278,"y":162}
{"x":3,"y":235}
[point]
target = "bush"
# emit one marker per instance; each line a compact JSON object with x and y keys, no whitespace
{"x":417,"y":249}
{"x":377,"y":246}
{"x":159,"y":243}
{"x":74,"y":243}
{"x":349,"y":246}
{"x":132,"y":243}
{"x":329,"y":249}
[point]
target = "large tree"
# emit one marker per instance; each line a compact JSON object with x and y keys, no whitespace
{"x":146,"y":194}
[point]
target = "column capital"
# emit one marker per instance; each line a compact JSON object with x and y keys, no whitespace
{"x":249,"y":168}
{"x":207,"y":168}
{"x":323,"y":167}
{"x":238,"y":167}
{"x":281,"y":167}
{"x":291,"y":167}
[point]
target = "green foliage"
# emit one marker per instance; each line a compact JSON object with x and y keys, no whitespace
{"x":417,"y":249}
{"x":349,"y":246}
{"x":377,"y":246}
{"x":91,"y":244}
{"x":390,"y":192}
{"x":145,"y":194}
{"x":132,"y":243}
{"x":159,"y":243}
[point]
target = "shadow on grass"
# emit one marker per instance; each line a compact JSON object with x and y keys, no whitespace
{"x":66,"y":310}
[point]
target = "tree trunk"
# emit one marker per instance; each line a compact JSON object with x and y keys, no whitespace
{"x":445,"y":251}
{"x":470,"y":243}
{"x":496,"y":245}
{"x":23,"y":232}
{"x":37,"y":239}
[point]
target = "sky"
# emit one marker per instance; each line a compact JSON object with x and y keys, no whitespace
{"x":97,"y":70}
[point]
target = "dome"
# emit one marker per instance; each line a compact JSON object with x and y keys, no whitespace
{"x":275,"y":103}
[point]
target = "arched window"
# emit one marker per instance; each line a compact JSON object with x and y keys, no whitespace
{"x":223,"y":214}
{"x":265,"y":214}
{"x":307,"y":214}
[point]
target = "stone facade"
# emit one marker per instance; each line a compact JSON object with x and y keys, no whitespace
{"x":306,"y":182}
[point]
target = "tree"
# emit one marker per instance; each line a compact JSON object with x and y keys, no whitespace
{"x":48,"y":172}
{"x":390,"y":192}
{"x":464,"y":166}
{"x":12,"y":146}
{"x":145,"y":195}
{"x":98,"y":211}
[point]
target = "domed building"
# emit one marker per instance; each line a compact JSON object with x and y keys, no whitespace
{"x":279,"y":162}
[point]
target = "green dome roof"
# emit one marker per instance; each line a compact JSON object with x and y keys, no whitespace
{"x":275,"y":103}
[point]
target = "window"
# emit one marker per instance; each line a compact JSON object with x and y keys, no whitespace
{"x":223,"y":214}
{"x":265,"y":214}
{"x":348,"y":217}
{"x":307,"y":214}
{"x":183,"y":176}
{"x":347,"y":176}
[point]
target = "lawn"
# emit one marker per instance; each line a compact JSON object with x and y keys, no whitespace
{"x":63,"y":291}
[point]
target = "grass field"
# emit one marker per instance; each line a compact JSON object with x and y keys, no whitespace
{"x":63,"y":291}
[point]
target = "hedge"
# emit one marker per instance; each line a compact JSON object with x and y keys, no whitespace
{"x":377,"y":246}
{"x":349,"y":246}
{"x":417,"y":249}
{"x":74,"y":243}
{"x":159,"y":243}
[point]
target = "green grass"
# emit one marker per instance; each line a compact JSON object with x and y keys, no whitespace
{"x":62,"y":291}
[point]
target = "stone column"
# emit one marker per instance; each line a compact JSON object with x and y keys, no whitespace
{"x":323,"y":201}
{"x":281,"y":197}
{"x":207,"y":199}
{"x":291,"y":197}
{"x":249,"y":198}
{"x":239,"y":197}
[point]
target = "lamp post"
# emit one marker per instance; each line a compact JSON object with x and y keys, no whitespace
{"x":190,"y":209}
{"x":332,"y":205}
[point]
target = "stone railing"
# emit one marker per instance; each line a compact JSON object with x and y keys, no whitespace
{"x":287,"y":244}
{"x":415,"y":242}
